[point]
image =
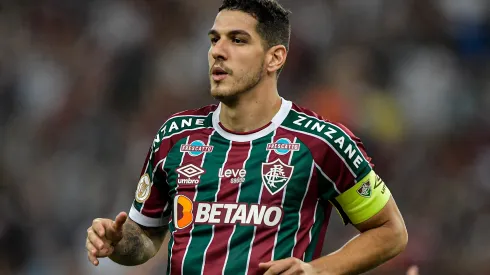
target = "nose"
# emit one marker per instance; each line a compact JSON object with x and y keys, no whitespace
{"x":218,"y":50}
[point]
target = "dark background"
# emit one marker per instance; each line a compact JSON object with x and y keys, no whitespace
{"x":85,"y":85}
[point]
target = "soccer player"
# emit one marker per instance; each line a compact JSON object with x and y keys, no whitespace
{"x":247,"y":186}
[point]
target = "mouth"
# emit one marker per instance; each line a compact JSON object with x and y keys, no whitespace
{"x":218,"y":74}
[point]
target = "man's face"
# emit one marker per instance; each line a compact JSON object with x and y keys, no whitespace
{"x":236,"y":56}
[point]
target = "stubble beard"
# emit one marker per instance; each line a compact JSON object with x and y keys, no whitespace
{"x":241,"y":86}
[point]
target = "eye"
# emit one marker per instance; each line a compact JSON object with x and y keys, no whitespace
{"x":214,"y":40}
{"x":238,"y":41}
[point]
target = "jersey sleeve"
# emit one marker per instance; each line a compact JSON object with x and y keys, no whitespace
{"x":150,"y":206}
{"x":348,"y":178}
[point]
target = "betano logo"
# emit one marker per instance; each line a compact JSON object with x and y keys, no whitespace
{"x":182,"y":206}
{"x":186,"y":211}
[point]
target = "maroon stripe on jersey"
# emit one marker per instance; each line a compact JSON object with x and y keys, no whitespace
{"x":265,"y":237}
{"x":228,"y":192}
{"x":307,"y":217}
{"x":323,"y":232}
{"x":156,"y":203}
{"x":182,"y":236}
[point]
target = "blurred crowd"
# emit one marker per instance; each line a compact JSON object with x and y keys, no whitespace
{"x":85,"y":85}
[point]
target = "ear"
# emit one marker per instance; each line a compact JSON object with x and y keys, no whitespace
{"x":276,"y":57}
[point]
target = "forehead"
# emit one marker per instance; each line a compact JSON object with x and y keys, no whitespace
{"x":228,"y":20}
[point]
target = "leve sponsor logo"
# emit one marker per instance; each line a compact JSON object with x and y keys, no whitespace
{"x":235,"y":175}
{"x":189,"y":174}
{"x":186,"y":212}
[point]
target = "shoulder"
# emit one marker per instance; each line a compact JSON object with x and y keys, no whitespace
{"x":308,"y":122}
{"x":325,"y":137}
{"x":183,"y":123}
{"x":187,"y":120}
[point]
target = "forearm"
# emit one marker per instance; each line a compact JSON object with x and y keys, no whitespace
{"x":364,"y":252}
{"x":135,"y":248}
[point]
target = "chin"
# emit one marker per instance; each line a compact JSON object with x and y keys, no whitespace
{"x":224,"y":95}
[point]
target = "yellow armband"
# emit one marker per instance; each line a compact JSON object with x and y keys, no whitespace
{"x":365,"y":199}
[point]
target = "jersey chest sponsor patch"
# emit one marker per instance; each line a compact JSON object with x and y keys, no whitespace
{"x":283,"y":146}
{"x":275,"y":175}
{"x":196,"y":148}
{"x":187,"y":212}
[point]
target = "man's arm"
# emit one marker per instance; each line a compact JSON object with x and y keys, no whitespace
{"x":138,"y":243}
{"x":123,"y":241}
{"x":382,"y":237}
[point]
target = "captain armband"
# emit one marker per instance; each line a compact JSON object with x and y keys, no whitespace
{"x":365,"y":199}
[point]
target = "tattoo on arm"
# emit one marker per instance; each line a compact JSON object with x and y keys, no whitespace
{"x":138,"y":244}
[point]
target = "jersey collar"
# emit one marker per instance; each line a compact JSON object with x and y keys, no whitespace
{"x":275,"y":123}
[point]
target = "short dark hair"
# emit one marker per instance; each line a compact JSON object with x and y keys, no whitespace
{"x":273,"y":20}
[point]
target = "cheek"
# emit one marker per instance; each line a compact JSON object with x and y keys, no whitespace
{"x":210,"y":57}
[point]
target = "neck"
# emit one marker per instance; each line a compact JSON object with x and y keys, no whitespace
{"x":251,"y":110}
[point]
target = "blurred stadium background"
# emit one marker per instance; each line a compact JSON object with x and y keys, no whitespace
{"x":84,"y":86}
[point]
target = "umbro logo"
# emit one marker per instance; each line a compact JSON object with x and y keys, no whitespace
{"x":189,"y":174}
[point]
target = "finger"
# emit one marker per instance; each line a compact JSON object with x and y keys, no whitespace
{"x":98,"y":228}
{"x":294,"y":271}
{"x":97,"y":241}
{"x":90,"y":247}
{"x":413,"y":270}
{"x":92,"y":259}
{"x":277,"y":262}
{"x":119,"y":221}
{"x":266,"y":265}
{"x":278,"y":267}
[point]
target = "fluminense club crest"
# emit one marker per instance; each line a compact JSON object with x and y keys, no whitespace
{"x":275,"y":175}
{"x":365,"y":190}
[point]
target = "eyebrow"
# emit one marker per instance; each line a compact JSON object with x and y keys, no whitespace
{"x":230,"y":33}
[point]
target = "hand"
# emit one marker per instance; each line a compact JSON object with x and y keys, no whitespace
{"x":287,"y":266}
{"x":102,"y":236}
{"x":413,"y":270}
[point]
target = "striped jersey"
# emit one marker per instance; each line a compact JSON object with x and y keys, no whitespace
{"x":233,"y":200}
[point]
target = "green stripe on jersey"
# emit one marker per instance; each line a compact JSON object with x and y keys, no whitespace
{"x":315,"y":233}
{"x":207,"y":190}
{"x":336,"y":138}
{"x":241,"y":240}
{"x":326,"y":188}
{"x":171,"y":229}
{"x":294,"y":193}
{"x":174,"y":159}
